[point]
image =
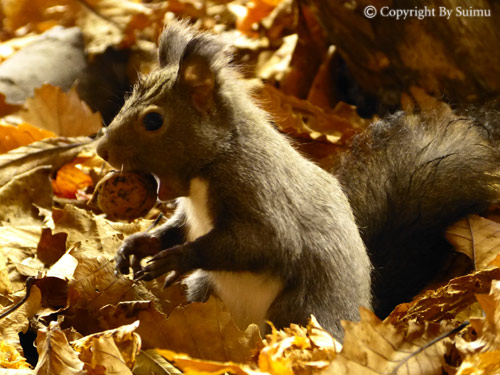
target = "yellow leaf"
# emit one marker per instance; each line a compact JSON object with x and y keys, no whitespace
{"x":113,"y":351}
{"x":55,"y":354}
{"x":481,"y":364}
{"x":62,"y":113}
{"x":10,"y":357}
{"x":476,"y":237}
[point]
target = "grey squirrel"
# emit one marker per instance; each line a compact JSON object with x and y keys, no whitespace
{"x":265,"y":229}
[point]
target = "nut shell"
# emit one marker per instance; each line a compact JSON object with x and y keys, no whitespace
{"x":125,"y":195}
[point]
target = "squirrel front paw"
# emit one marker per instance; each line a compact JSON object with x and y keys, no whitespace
{"x":133,"y":250}
{"x":172,"y":261}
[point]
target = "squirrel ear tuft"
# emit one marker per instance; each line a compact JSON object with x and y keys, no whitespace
{"x":173,"y":41}
{"x":196,"y":75}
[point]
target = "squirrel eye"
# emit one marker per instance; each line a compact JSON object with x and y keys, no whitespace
{"x":152,"y":121}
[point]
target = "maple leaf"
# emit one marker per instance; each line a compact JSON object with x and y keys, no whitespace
{"x":61,"y":113}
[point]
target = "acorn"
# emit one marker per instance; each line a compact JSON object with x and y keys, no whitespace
{"x":125,"y":195}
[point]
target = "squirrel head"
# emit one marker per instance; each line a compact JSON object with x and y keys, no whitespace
{"x":176,"y":121}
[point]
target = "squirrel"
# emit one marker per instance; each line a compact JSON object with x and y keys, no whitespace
{"x":267,"y":230}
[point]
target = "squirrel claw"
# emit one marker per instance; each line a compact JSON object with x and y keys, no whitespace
{"x":173,"y":277}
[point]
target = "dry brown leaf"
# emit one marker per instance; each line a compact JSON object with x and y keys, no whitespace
{"x":447,"y":301}
{"x":37,"y":14}
{"x":6,"y":108}
{"x":489,"y":334}
{"x":61,"y":113}
{"x":110,"y":352}
{"x":302,"y":117}
{"x":95,"y":284}
{"x":18,"y":320}
{"x":277,"y":66}
{"x":256,"y":11}
{"x":19,"y":196}
{"x":52,"y":152}
{"x":298,"y":350}
{"x":481,"y":364}
{"x":374,"y":347}
{"x":51,"y":247}
{"x":322,"y":91}
{"x":151,"y":362}
{"x":476,"y":237}
{"x":11,"y":358}
{"x":12,"y":137}
{"x":96,"y":235}
{"x":5,"y":284}
{"x":482,"y":355}
{"x":55,"y":354}
{"x":19,"y":244}
{"x":191,"y":366}
{"x":107,"y":23}
{"x":202,"y":330}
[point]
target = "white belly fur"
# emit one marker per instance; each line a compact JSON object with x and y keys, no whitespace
{"x":246,"y":295}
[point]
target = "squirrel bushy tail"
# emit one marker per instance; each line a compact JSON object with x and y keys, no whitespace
{"x":407,"y":178}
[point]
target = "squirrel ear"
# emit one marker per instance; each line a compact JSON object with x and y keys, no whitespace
{"x":196,"y":75}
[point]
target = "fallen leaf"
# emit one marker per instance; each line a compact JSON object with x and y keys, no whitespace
{"x":374,"y":347}
{"x":70,"y":179}
{"x":19,"y":243}
{"x":19,"y":196}
{"x":11,"y":358}
{"x":151,"y":362}
{"x":476,"y":237}
{"x":482,"y":354}
{"x":5,"y":284}
{"x":298,"y":350}
{"x":52,"y":152}
{"x":447,"y":301}
{"x":36,"y":13}
{"x":97,"y":236}
{"x":56,"y":356}
{"x":110,"y":352}
{"x":481,"y":364}
{"x":302,"y":117}
{"x":114,"y":23}
{"x":19,"y":320}
{"x":6,"y":108}
{"x":51,"y":247}
{"x":256,"y":11}
{"x":12,"y":137}
{"x":191,"y":366}
{"x":61,"y":113}
{"x":202,"y":330}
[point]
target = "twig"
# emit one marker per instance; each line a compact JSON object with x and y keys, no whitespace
{"x":429,"y":344}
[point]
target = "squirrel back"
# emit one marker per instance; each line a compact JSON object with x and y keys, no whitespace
{"x":407,"y":178}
